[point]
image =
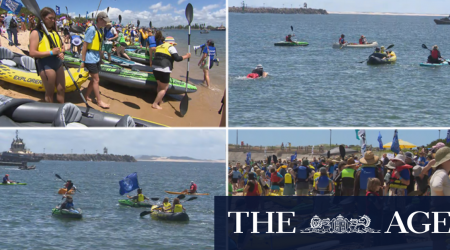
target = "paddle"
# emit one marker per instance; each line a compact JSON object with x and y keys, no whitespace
{"x":59,"y":177}
{"x":107,"y":10}
{"x":425,"y":47}
{"x":149,"y":212}
{"x":390,"y":46}
{"x":138,"y":23}
{"x":150,"y":24}
{"x":189,"y":12}
{"x":33,"y":7}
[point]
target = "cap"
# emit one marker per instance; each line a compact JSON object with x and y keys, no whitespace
{"x":259,"y":66}
{"x":103,"y":16}
{"x":210,"y":41}
{"x":192,"y":182}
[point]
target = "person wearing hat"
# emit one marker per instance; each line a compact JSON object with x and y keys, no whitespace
{"x":11,"y":24}
{"x":207,"y":61}
{"x":133,"y":34}
{"x":90,"y":56}
{"x":75,"y":42}
{"x":440,"y":181}
{"x":192,"y":189}
{"x":363,"y":40}
{"x":342,"y":40}
{"x":67,"y":204}
{"x":347,"y":177}
{"x":257,"y":72}
{"x":323,"y":183}
{"x":369,"y":169}
{"x":165,"y":55}
{"x":6,"y":179}
{"x":139,"y":197}
{"x":110,"y":36}
{"x":435,"y":56}
{"x":48,"y":51}
{"x":400,"y":176}
{"x":303,"y":174}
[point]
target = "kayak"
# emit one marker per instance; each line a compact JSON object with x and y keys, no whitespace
{"x":185,"y":193}
{"x":134,"y":204}
{"x":355,"y":45}
{"x":159,"y":215}
{"x":72,"y":61}
{"x":14,"y":184}
{"x":64,"y":213}
{"x":123,"y":62}
{"x":284,"y":43}
{"x":141,"y":80}
{"x":373,"y":60}
{"x":30,"y":113}
{"x":12,"y":70}
{"x":435,"y":64}
{"x":138,"y":57}
{"x":64,"y":190}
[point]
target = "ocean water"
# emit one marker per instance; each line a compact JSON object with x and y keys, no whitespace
{"x":321,"y":86}
{"x":27,"y":223}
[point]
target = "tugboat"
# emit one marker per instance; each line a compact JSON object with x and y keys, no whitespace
{"x":18,"y":152}
{"x":445,"y":20}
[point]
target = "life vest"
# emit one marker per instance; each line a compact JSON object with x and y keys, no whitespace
{"x":121,"y":38}
{"x":151,"y":41}
{"x":287,"y":178}
{"x":178,"y":208}
{"x":322,"y":184}
{"x":167,"y":205}
{"x":163,"y":58}
{"x":108,"y":34}
{"x":341,"y":40}
{"x":394,"y":182}
{"x":369,"y":192}
{"x":348,"y":173}
{"x":361,"y":41}
{"x":366,"y":173}
{"x":96,"y":44}
{"x":252,"y":75}
{"x":302,"y":173}
{"x":194,"y":187}
{"x":274,"y":178}
{"x":144,"y":35}
{"x":44,"y":43}
{"x":141,"y":198}
{"x":287,"y":39}
{"x":255,"y":191}
{"x":435,"y":54}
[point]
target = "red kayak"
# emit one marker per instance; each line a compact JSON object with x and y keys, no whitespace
{"x":252,"y":75}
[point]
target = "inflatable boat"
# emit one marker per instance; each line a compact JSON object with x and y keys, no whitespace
{"x":140,"y":80}
{"x":377,"y":60}
{"x":65,"y":213}
{"x":138,"y":57}
{"x":355,"y":45}
{"x":29,"y":113}
{"x":21,"y":70}
{"x":134,"y":204}
{"x":159,"y":215}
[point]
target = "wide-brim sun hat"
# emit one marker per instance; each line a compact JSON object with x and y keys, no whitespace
{"x":390,"y":165}
{"x":76,"y":41}
{"x":369,"y":158}
{"x":350,"y":163}
{"x":442,"y":155}
{"x":259,"y":66}
{"x":170,"y":40}
{"x":399,"y":157}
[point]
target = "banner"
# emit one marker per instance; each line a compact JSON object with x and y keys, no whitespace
{"x":395,"y":146}
{"x":362,"y":135}
{"x":294,"y":156}
{"x":128,"y":184}
{"x":357,"y":131}
{"x":249,"y":158}
{"x":57,"y":10}
{"x":87,"y":14}
{"x":380,"y":141}
{"x":11,"y":5}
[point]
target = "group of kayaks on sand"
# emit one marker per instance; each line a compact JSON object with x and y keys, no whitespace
{"x":46,"y":64}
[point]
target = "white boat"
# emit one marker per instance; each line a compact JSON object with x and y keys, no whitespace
{"x":355,"y":45}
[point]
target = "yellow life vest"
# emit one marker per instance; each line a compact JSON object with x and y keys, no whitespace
{"x":141,"y":197}
{"x":287,"y":178}
{"x":178,"y":208}
{"x":44,"y":44}
{"x":96,"y":44}
{"x":164,"y":49}
{"x":167,"y":205}
{"x":144,"y":35}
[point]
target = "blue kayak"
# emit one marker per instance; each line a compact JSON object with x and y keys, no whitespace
{"x":435,"y":64}
{"x":123,"y":62}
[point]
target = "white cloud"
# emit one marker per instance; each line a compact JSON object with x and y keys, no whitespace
{"x":159,"y":7}
{"x":180,"y":1}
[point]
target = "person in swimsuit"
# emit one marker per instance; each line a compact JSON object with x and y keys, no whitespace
{"x":48,"y":50}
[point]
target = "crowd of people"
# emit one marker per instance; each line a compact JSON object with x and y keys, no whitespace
{"x":423,"y":172}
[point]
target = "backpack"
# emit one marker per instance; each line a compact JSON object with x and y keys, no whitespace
{"x":12,"y":23}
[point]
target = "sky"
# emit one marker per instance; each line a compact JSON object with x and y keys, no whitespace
{"x":198,"y":144}
{"x":161,"y":13}
{"x":398,"y":6}
{"x":338,"y":136}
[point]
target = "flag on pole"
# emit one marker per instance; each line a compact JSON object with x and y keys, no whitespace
{"x":379,"y":140}
{"x":395,"y":146}
{"x":294,"y":156}
{"x":11,"y":5}
{"x":57,"y":10}
{"x":87,"y":14}
{"x":249,"y":157}
{"x":312,"y":150}
{"x":362,"y":135}
{"x":128,"y":184}
{"x":357,"y":132}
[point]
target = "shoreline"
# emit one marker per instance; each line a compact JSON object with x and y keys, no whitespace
{"x":203,"y":104}
{"x":184,"y":161}
{"x":384,"y":14}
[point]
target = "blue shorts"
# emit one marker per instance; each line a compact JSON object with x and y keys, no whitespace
{"x":50,"y":62}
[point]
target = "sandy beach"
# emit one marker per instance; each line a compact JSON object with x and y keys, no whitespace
{"x":203,"y":105}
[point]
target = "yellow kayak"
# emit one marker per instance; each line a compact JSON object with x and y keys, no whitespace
{"x":185,"y":193}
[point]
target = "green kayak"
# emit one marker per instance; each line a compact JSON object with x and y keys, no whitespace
{"x":74,"y":62}
{"x":134,"y":204}
{"x":14,"y":184}
{"x":283,"y":43}
{"x":64,"y":213}
{"x":138,"y":57}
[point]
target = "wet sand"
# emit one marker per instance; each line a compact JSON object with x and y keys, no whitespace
{"x":203,"y":104}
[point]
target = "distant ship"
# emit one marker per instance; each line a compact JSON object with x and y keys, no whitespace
{"x":221,"y":28}
{"x":18,"y":152}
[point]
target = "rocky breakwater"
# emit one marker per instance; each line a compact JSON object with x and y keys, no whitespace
{"x":278,"y":10}
{"x":88,"y":157}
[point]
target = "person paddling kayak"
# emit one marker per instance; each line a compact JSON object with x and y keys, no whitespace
{"x":288,"y":38}
{"x":67,"y":204}
{"x":435,"y":56}
{"x":139,"y":197}
{"x":258,"y":72}
{"x":6,"y":179}
{"x":177,"y":207}
{"x":363,"y":40}
{"x":192,"y":188}
{"x":69,"y":185}
{"x":342,"y":40}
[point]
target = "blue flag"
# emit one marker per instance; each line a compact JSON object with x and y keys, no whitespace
{"x":448,"y":136}
{"x":129,"y":184}
{"x":379,"y":140}
{"x":395,"y":146}
{"x":249,"y":157}
{"x":11,"y":5}
{"x":57,"y":10}
{"x":87,"y":14}
{"x":294,"y":156}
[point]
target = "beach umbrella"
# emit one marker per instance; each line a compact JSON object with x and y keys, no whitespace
{"x":403,"y":144}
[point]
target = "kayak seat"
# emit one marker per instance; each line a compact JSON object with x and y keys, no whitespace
{"x":8,"y":62}
{"x":6,"y":54}
{"x":126,"y":121}
{"x":68,"y":115}
{"x":28,"y":63}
